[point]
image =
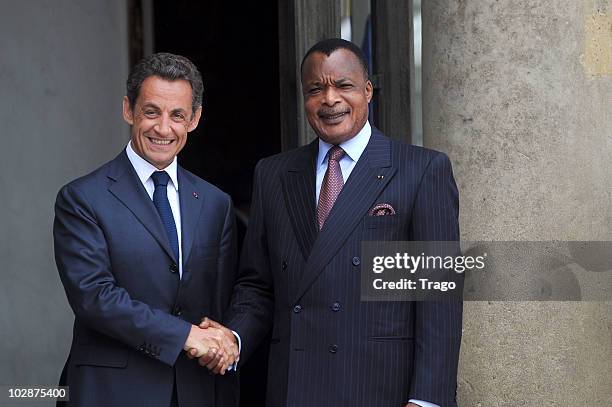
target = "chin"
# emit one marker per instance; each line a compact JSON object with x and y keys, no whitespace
{"x":162,"y":162}
{"x":335,"y":138}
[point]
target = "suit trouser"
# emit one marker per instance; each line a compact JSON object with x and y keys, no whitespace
{"x":174,"y":400}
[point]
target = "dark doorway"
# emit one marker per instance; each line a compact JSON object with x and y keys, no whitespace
{"x":235,"y":46}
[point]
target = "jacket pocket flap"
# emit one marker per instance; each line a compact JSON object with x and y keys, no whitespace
{"x":390,"y":338}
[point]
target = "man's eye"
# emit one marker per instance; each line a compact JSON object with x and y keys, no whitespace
{"x":346,"y":86}
{"x":178,"y":117}
{"x":150,"y":113}
{"x":313,"y":91}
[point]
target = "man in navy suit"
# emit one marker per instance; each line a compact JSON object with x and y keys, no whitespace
{"x":144,"y":250}
{"x":300,"y":266}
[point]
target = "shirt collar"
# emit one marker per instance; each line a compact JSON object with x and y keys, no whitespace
{"x":353,"y":147}
{"x":145,"y":169}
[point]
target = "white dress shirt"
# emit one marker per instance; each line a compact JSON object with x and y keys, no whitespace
{"x":145,"y":169}
{"x":353,"y":148}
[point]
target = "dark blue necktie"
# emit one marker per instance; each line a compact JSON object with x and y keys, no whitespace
{"x":160,"y":199}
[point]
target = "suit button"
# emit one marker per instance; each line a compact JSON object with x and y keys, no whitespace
{"x":335,"y":307}
{"x":177,"y":311}
{"x":173,"y":268}
{"x":297,"y":309}
{"x":333,"y":348}
{"x":356,"y":261}
{"x":284,"y":265}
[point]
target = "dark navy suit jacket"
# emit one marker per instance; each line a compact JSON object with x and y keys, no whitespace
{"x":132,"y":312}
{"x":328,"y":348}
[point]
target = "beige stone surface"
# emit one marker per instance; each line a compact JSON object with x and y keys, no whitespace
{"x":518,"y":93}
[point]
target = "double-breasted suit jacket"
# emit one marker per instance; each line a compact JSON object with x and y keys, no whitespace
{"x":328,"y":348}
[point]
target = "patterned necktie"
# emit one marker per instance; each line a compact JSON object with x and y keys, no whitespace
{"x":332,"y":185}
{"x":160,"y":199}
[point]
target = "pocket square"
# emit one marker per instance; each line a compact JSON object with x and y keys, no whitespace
{"x":381,"y":209}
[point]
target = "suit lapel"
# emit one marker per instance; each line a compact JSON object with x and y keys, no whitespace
{"x":299,"y":194}
{"x":190,"y":200}
{"x":128,"y":189}
{"x":370,"y":176}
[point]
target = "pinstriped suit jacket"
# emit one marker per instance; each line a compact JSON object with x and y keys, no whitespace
{"x":328,"y":348}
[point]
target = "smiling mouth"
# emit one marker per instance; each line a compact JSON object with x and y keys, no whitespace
{"x":333,"y":117}
{"x":159,"y":142}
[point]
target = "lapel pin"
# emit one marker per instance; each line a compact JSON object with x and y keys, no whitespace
{"x":381,"y":177}
{"x":195,"y":195}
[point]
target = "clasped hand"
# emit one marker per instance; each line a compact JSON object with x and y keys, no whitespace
{"x":213,"y":345}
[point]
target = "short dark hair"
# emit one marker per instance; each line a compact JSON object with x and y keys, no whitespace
{"x":332,"y":44}
{"x":166,"y":66}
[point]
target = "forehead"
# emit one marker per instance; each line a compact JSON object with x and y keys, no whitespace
{"x":340,"y":63}
{"x":157,"y":90}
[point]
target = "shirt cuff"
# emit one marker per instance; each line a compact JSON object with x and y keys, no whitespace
{"x":423,"y":403}
{"x":234,"y":367}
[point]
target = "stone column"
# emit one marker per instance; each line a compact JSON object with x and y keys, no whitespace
{"x":518,"y":94}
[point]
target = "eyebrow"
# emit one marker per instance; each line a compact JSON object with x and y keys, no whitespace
{"x":154,"y":106}
{"x":150,"y":105}
{"x":314,"y":83}
{"x":341,"y":81}
{"x":336,"y":82}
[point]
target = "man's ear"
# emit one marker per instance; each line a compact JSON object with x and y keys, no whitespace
{"x":195,"y":119}
{"x":128,"y":114}
{"x":369,"y":90}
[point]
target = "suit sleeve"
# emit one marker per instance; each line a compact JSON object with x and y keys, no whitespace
{"x":251,"y":310}
{"x":437,"y":324}
{"x":83,"y":262}
{"x":227,"y":270}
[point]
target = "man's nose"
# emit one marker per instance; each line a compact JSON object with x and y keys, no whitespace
{"x":163,"y":125}
{"x":330,"y":96}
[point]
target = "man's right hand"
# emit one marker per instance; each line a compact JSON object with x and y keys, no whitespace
{"x":212,"y":348}
{"x":203,"y":344}
{"x":229,"y":341}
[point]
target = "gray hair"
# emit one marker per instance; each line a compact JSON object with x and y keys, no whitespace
{"x":166,"y":66}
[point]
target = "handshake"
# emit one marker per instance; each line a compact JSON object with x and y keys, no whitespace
{"x":215,"y":346}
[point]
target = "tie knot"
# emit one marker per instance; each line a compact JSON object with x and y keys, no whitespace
{"x":336,"y":153}
{"x":160,"y":178}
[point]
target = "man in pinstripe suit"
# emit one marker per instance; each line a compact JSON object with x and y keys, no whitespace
{"x":300,"y":264}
